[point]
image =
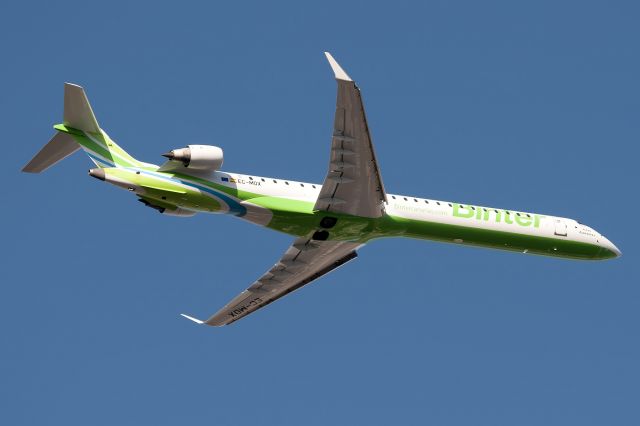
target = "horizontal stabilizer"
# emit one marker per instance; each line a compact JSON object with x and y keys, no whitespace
{"x":77,"y":110}
{"x":59,"y":147}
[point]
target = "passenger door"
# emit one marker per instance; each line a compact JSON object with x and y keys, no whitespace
{"x":561,"y":227}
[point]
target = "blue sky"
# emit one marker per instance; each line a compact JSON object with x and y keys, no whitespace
{"x":530,"y":106}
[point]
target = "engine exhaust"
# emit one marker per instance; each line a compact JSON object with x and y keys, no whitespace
{"x":97,"y":173}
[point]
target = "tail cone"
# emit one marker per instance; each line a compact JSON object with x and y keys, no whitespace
{"x":97,"y":173}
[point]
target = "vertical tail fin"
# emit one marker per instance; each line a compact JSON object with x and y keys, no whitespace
{"x":77,"y":110}
{"x":80,"y":129}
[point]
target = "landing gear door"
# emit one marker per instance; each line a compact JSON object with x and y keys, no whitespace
{"x":561,"y":228}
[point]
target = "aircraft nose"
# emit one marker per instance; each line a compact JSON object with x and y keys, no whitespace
{"x":615,"y":249}
{"x":611,"y":247}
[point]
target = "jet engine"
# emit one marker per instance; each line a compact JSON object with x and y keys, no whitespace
{"x":200,"y":157}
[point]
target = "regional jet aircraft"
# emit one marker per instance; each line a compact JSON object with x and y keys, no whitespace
{"x":328,"y":221}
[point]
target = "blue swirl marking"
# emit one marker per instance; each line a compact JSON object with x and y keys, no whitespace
{"x":235,"y":207}
{"x":101,"y":160}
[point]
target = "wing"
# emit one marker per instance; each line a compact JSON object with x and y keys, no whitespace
{"x":353,"y":184}
{"x":302,"y":263}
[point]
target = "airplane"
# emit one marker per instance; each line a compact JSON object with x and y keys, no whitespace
{"x":328,"y":221}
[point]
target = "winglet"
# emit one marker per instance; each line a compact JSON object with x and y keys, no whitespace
{"x":337,"y":69}
{"x":196,"y":320}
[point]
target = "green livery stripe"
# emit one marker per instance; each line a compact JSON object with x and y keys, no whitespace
{"x":400,"y":227}
{"x":166,"y":190}
{"x":101,"y":145}
{"x":298,"y":218}
{"x":281,"y":204}
{"x":272,"y":203}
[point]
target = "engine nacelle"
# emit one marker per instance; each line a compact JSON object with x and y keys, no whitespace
{"x":201,"y":157}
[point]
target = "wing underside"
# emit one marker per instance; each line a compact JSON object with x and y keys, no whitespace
{"x":304,"y":261}
{"x":353,"y":184}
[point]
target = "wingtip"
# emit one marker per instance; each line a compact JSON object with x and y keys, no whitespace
{"x":337,"y":69}
{"x":196,"y":320}
{"x":67,"y":83}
